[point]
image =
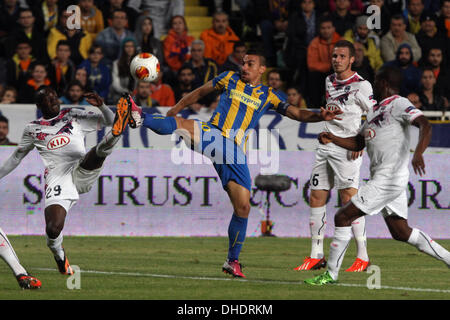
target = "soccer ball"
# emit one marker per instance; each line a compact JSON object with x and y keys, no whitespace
{"x":145,"y":67}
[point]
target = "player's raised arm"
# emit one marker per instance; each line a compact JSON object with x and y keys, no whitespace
{"x":424,"y":140}
{"x":97,"y":101}
{"x":190,"y":98}
{"x":24,"y":147}
{"x":356,"y":143}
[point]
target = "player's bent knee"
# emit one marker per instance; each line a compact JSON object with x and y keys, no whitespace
{"x":53,"y":230}
{"x":242,"y":210}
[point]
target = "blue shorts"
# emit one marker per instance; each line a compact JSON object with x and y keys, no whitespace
{"x":228,"y":158}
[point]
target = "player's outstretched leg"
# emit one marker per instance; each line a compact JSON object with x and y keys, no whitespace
{"x":7,"y":253}
{"x":240,"y":198}
{"x":342,"y":236}
{"x":401,"y":231}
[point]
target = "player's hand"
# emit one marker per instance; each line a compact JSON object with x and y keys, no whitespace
{"x":328,"y":115}
{"x":172,"y":112}
{"x":418,"y":164}
{"x":356,"y":154}
{"x":325,"y":137}
{"x":94,"y":99}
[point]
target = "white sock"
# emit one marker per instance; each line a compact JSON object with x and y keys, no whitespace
{"x":338,"y":247}
{"x":7,"y":253}
{"x":317,"y":226}
{"x":424,"y":243}
{"x":55,"y":246}
{"x":106,"y":145}
{"x":359,"y":231}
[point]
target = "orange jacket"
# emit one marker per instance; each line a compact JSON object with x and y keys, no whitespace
{"x":218,"y":46}
{"x":177,"y":49}
{"x":319,"y":53}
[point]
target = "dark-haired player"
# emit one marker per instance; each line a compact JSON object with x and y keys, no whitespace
{"x":386,"y":135}
{"x":243,"y":100}
{"x":335,"y":166}
{"x":69,"y":171}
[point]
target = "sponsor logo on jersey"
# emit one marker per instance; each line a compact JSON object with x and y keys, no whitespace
{"x":58,"y":142}
{"x":369,"y":134}
{"x":332,"y":106}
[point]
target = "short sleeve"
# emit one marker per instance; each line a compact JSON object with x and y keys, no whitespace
{"x":365,"y":97}
{"x":404,"y":111}
{"x":277,"y":104}
{"x":89,"y":120}
{"x":221,"y":81}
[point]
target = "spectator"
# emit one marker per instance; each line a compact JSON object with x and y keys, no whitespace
{"x":362,"y":64}
{"x":415,"y":100}
{"x":319,"y":60}
{"x":411,"y":74}
{"x":177,"y":44}
{"x":111,"y":38}
{"x":342,"y":18}
{"x":146,"y":40}
{"x":360,"y":33}
{"x":385,"y":17}
{"x":4,"y":130}
{"x":62,"y":69}
{"x":28,"y":89}
{"x":162,"y":92}
{"x":275,"y":81}
{"x":443,"y":23}
{"x":18,"y":67}
{"x":122,"y":81}
{"x":79,"y":41}
{"x":99,"y":76}
{"x":235,"y":59}
{"x":435,"y":61}
{"x":46,"y":15}
{"x":431,"y":98}
{"x":204,"y":69}
{"x":9,"y":14}
{"x":81,"y":75}
{"x":108,"y":8}
{"x":74,"y":94}
{"x":143,"y":95}
{"x":429,"y":37}
{"x":356,"y":6}
{"x":273,"y":24}
{"x":219,"y":39}
{"x":185,"y":81}
{"x":295,"y":98}
{"x":397,"y":36}
{"x":9,"y":95}
{"x":160,"y":11}
{"x":91,"y":17}
{"x":412,"y":15}
{"x":301,"y":30}
{"x":28,"y":31}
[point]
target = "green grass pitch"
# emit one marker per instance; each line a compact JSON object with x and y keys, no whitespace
{"x":190,"y":269}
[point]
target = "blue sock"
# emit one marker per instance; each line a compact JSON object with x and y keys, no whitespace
{"x":236,"y":236}
{"x":159,"y":123}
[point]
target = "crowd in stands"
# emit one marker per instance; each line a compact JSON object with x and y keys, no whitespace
{"x":40,"y":44}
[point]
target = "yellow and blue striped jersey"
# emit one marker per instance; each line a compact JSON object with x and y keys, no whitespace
{"x":241,"y":105}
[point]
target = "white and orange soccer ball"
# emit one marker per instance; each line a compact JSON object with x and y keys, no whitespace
{"x":145,"y":67}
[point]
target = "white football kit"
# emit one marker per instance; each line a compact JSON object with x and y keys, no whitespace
{"x":333,"y":166}
{"x":60,"y":143}
{"x":386,"y":132}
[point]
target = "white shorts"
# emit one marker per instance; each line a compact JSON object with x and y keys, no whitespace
{"x":333,"y":167}
{"x":374,"y":197}
{"x":64,"y":189}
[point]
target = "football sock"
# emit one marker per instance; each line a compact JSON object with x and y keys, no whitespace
{"x":55,"y":246}
{"x":236,"y":236}
{"x":317,"y":226}
{"x":7,"y":253}
{"x":106,"y":145}
{"x":359,"y":231}
{"x":424,"y":243}
{"x":159,"y":123}
{"x":338,"y":247}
